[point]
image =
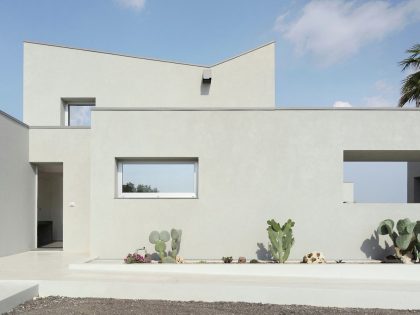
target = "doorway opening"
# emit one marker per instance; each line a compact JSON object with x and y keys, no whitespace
{"x":50,"y":206}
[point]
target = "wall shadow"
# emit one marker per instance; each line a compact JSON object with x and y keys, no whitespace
{"x":263,"y":253}
{"x":372,"y":248}
{"x":205,"y":88}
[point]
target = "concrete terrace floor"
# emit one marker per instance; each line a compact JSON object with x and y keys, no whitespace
{"x":336,"y":285}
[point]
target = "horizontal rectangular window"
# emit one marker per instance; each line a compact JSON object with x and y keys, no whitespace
{"x":381,"y":176}
{"x":157,"y":178}
{"x":377,"y":182}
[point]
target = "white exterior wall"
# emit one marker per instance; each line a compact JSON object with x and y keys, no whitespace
{"x":348,"y":192}
{"x":71,"y":146}
{"x":52,"y":73}
{"x":253,"y":166}
{"x":17,"y":189}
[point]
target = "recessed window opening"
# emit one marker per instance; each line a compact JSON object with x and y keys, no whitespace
{"x":157,"y":178}
{"x":77,"y":111}
{"x":377,"y":182}
{"x":78,"y":114}
{"x":381,"y":176}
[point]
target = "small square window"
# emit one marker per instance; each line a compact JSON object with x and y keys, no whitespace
{"x":78,"y":114}
{"x":157,"y":178}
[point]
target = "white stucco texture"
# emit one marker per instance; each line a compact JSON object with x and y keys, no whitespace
{"x":253,"y":166}
{"x":118,"y":81}
{"x":17,"y":189}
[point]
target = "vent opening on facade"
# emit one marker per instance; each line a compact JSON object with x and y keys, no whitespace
{"x":207,"y":76}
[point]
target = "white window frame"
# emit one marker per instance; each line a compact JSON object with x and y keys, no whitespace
{"x":123,"y":195}
{"x":66,"y":111}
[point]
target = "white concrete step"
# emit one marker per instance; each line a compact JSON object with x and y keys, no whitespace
{"x":349,"y":271}
{"x":13,"y":293}
{"x":394,"y":286}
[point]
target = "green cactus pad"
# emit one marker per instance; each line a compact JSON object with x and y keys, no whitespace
{"x":275,"y":241}
{"x":403,"y":241}
{"x":164,"y":236}
{"x":154,"y":237}
{"x":417,"y":228}
{"x":410,"y":228}
{"x":273,"y":225}
{"x":386,"y":227}
{"x":175,"y":234}
{"x":160,"y":246}
{"x":288,"y":225}
{"x":403,"y":225}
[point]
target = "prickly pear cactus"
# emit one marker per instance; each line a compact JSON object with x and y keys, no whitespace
{"x":281,"y":239}
{"x":159,"y":239}
{"x":176,"y":242}
{"x":154,"y":237}
{"x":406,"y":239}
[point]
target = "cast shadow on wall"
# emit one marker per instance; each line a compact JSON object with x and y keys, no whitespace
{"x":205,"y":88}
{"x":373,"y":250}
{"x":263,"y":253}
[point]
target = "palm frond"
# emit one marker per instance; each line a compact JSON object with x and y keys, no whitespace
{"x":412,"y":61}
{"x":410,"y":90}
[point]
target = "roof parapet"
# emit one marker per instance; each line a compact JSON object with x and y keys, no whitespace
{"x":4,"y":114}
{"x":148,"y":58}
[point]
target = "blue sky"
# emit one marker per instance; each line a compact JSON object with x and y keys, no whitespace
{"x":328,"y":52}
{"x":377,"y":182}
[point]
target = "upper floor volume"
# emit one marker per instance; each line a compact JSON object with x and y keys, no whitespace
{"x":62,"y":84}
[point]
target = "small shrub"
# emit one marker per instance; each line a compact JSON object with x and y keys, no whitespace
{"x":254,"y":261}
{"x":202,"y":262}
{"x":227,"y":259}
{"x":134,"y":258}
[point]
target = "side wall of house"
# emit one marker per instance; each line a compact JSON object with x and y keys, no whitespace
{"x":413,"y":182}
{"x":253,"y":166}
{"x":71,"y":147}
{"x":17,"y":189}
{"x":117,"y":81}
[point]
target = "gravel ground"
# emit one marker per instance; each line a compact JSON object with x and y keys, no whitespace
{"x":67,"y":306}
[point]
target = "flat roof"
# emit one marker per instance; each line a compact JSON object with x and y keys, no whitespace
{"x":221,"y":109}
{"x":205,"y":109}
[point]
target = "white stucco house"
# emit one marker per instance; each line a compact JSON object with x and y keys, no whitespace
{"x":112,"y":147}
